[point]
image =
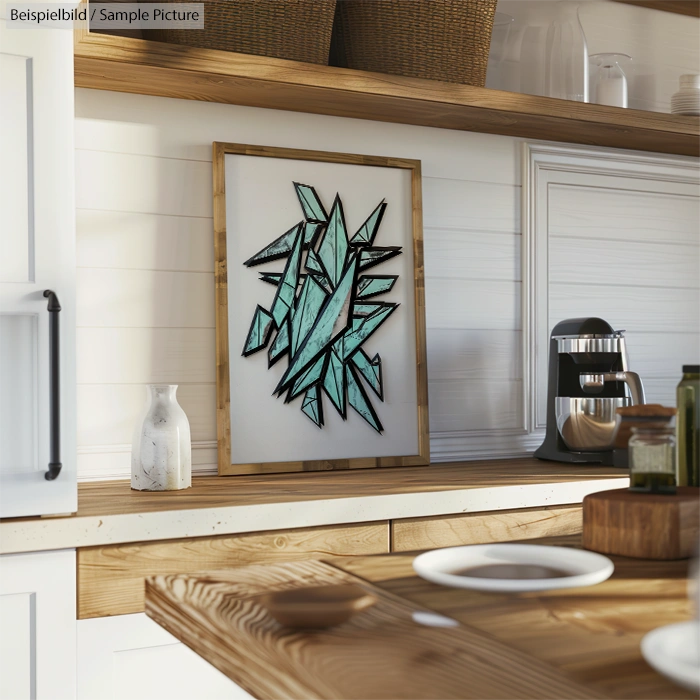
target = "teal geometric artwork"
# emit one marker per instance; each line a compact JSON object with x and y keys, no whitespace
{"x":259,"y":332}
{"x":325,"y":308}
{"x":372,"y":285}
{"x":368,"y":231}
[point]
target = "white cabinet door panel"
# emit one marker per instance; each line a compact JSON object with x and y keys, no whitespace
{"x":37,"y":626}
{"x":37,"y":252}
{"x":17,"y":646}
{"x":130,"y":656}
{"x":16,"y":263}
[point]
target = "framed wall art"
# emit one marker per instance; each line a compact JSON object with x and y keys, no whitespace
{"x":320,"y":319}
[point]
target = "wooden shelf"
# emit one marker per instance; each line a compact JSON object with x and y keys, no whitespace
{"x":153,"y":68}
{"x":691,"y":8}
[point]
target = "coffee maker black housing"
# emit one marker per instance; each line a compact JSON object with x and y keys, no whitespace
{"x":589,"y":378}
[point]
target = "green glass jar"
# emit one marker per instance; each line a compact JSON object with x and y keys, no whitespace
{"x":688,"y":424}
{"x":652,"y":457}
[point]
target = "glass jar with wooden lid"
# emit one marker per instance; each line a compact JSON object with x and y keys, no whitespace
{"x":652,"y":458}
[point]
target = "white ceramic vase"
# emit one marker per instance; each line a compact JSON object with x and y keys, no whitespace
{"x":687,"y":99}
{"x":161,"y":452}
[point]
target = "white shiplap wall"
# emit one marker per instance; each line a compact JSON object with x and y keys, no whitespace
{"x":145,"y":275}
{"x":145,"y":263}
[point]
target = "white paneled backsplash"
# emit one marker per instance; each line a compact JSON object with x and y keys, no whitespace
{"x":145,"y":277}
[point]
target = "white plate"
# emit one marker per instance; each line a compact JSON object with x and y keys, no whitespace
{"x":495,"y":567}
{"x":674,"y":651}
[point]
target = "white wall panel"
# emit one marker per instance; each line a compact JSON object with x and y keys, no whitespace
{"x":638,"y":309}
{"x":475,"y":304}
{"x":133,"y":298}
{"x":184,"y":129}
{"x":623,"y":263}
{"x":471,"y":354}
{"x":471,"y":255}
{"x":121,"y":239}
{"x":661,"y":390}
{"x":663,"y":354}
{"x":471,"y":205}
{"x":619,"y":215}
{"x":146,"y":355}
{"x":475,"y":405}
{"x":135,"y":183}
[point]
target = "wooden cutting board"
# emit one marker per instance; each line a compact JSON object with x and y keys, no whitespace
{"x":642,"y":525}
{"x":383,"y":652}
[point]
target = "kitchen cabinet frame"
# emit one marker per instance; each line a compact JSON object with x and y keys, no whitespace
{"x":38,"y":625}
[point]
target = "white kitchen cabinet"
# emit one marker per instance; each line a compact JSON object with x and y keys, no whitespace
{"x":37,"y":626}
{"x":130,"y":656}
{"x":37,"y":253}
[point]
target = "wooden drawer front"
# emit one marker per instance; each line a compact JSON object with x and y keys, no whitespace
{"x":110,"y":578}
{"x":478,"y":528}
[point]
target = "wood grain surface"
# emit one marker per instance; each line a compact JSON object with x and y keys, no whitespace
{"x":153,"y":68}
{"x":592,"y":634}
{"x":223,"y":394}
{"x":111,"y":578}
{"x":409,"y":534}
{"x":116,"y":497}
{"x":644,"y":525}
{"x":380,"y":653}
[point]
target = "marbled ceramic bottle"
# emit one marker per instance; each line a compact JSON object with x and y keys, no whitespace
{"x":161,"y":452}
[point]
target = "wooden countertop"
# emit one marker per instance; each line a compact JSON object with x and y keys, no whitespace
{"x":570,"y":643}
{"x":116,"y":497}
{"x":110,"y":512}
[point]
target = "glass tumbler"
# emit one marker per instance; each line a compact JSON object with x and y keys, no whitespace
{"x":610,"y":80}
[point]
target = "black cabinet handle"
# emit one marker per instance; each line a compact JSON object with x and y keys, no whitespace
{"x":55,"y":387}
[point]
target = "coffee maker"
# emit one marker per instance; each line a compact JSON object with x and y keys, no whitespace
{"x":589,"y":379}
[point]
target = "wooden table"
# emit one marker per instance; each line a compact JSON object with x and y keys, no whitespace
{"x":575,"y":643}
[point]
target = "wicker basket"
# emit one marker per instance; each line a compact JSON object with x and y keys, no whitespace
{"x":299,"y":30}
{"x":435,"y":39}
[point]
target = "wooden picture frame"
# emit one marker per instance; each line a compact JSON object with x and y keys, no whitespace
{"x":223,"y":387}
